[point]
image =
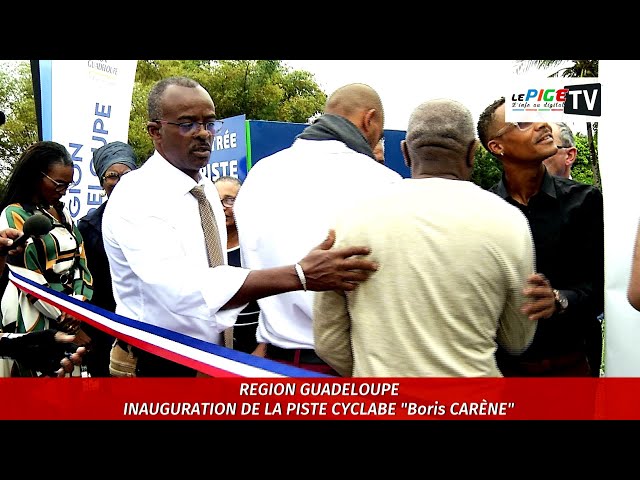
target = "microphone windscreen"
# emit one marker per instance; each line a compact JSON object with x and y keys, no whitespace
{"x":37,"y":225}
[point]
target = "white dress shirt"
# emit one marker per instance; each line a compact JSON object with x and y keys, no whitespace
{"x":286,"y":206}
{"x":157,"y":256}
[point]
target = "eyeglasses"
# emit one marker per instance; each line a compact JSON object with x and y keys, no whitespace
{"x":114,"y":176}
{"x":59,"y":186}
{"x":562,"y":146}
{"x":521,"y":126}
{"x":228,"y":201}
{"x":189,"y":128}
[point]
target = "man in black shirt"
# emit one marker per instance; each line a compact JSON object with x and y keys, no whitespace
{"x":560,"y":165}
{"x":561,"y":212}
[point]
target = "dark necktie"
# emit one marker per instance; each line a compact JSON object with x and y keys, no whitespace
{"x":209,"y":227}
{"x":212,"y":242}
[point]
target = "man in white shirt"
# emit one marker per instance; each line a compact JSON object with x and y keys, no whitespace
{"x":155,"y":243}
{"x":290,"y":199}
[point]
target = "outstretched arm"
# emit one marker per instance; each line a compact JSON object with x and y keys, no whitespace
{"x":323,"y":269}
{"x":633,"y":290}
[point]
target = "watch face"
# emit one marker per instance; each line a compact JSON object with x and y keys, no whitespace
{"x":561,"y":299}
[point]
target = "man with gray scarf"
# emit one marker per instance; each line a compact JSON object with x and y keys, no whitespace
{"x":290,"y":199}
{"x":110,"y":162}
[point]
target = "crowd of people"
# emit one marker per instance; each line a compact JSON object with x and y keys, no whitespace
{"x":361,"y":274}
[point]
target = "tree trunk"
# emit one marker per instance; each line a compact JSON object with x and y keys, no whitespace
{"x":595,"y":166}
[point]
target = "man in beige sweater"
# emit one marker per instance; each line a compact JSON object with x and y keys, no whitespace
{"x":454,"y":261}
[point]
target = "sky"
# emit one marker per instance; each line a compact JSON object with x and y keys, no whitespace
{"x":404,"y":84}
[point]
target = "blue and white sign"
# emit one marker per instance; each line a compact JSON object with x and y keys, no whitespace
{"x":229,"y":150}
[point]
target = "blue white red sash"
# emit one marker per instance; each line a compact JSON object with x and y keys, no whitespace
{"x":208,"y":358}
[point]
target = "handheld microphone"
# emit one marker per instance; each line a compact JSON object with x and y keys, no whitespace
{"x":35,"y":225}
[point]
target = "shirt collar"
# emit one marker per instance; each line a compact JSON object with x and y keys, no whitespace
{"x":548,"y":186}
{"x":171,"y":177}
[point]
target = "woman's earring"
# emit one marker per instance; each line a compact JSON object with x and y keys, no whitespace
{"x":103,"y":193}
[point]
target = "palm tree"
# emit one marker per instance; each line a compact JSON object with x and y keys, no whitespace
{"x":577,"y":69}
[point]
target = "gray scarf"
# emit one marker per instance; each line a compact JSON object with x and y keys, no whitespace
{"x":335,"y":127}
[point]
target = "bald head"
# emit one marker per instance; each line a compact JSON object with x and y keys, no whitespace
{"x":440,"y":140}
{"x":361,"y":105}
{"x":353,"y":98}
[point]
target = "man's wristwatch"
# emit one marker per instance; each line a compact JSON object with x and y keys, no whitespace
{"x":561,"y":301}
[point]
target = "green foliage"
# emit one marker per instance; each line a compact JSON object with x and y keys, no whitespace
{"x":582,"y":171}
{"x":21,"y":127}
{"x":487,"y":170}
{"x":263,"y":90}
{"x":259,"y":89}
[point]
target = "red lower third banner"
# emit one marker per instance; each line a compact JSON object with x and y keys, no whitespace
{"x":319,"y":399}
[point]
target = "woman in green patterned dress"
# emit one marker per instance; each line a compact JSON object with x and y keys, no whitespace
{"x":39,"y":180}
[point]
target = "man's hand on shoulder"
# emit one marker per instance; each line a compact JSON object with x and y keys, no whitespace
{"x":338,"y":268}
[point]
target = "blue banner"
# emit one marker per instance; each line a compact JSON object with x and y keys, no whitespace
{"x":229,"y":150}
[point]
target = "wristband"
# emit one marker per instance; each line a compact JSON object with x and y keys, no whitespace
{"x":303,"y":279}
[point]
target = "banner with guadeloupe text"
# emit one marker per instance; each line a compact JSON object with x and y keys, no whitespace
{"x":84,"y":105}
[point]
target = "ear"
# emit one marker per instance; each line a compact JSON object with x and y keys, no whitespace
{"x":471,"y":153}
{"x":572,"y":154}
{"x":405,"y":153}
{"x":153,"y":129}
{"x":368,"y":119}
{"x":495,"y":148}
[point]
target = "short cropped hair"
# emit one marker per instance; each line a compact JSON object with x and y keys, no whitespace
{"x":566,"y":135}
{"x":440,"y":126}
{"x":228,"y":178}
{"x":485,"y":121}
{"x":155,"y":109}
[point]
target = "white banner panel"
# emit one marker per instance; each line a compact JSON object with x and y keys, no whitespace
{"x":89,"y":103}
{"x":620,"y":172}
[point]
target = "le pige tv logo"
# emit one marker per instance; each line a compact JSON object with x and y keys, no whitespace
{"x":557,"y":100}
